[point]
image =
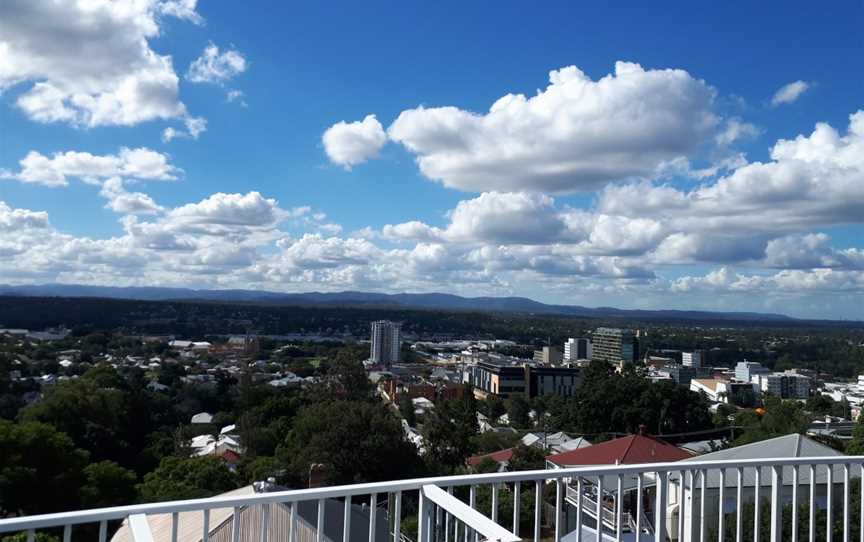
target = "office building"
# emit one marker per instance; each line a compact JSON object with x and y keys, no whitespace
{"x":693,"y":359}
{"x":560,"y":381}
{"x":495,"y":378}
{"x":576,"y":349}
{"x":505,"y":379}
{"x":549,"y":355}
{"x":616,"y":346}
{"x":386,"y":342}
{"x":746,"y":370}
{"x":783,"y":385}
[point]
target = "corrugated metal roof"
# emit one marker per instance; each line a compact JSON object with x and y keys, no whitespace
{"x":793,"y":445}
{"x":190,"y":526}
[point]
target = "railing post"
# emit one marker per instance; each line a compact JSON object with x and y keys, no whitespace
{"x":739,"y":505}
{"x":346,"y":520}
{"x":829,"y":484}
{"x":494,"y":514}
{"x":691,"y":485}
{"x":619,"y":510}
{"x":722,"y":517}
{"x":373,"y":516}
{"x":757,"y":514}
{"x":559,"y":490}
{"x":702,"y":491}
{"x":638,"y":506}
{"x":517,"y":491}
{"x":846,"y":504}
{"x":538,"y":501}
{"x":397,"y":517}
{"x":795,"y":503}
{"x":812,"y":503}
{"x":599,"y":507}
{"x":680,"y":505}
{"x":319,"y":529}
{"x":660,"y":507}
{"x":776,"y":504}
{"x":578,"y":509}
{"x":421,"y":517}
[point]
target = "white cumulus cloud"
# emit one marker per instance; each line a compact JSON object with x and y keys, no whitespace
{"x":350,"y":143}
{"x":89,"y":63}
{"x":577,"y":134}
{"x":140,"y":163}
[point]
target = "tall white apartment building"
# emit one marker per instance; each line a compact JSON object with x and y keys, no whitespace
{"x":693,"y":359}
{"x":576,"y":349}
{"x":386,"y":342}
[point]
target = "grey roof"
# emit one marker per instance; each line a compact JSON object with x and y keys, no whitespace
{"x":787,"y":446}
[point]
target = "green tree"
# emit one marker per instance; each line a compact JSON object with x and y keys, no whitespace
{"x":357,"y":441}
{"x":527,"y":458}
{"x":856,"y":445}
{"x":187,"y":478}
{"x":41,"y":470}
{"x":518,"y":411}
{"x":107,"y":484}
{"x":449,"y":431}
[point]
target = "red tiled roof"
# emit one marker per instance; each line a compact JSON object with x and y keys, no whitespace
{"x":625,"y":450}
{"x":499,"y":457}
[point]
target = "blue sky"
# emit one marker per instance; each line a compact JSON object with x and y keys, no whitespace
{"x":572,"y":197}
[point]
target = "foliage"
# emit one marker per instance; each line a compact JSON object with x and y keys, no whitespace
{"x":856,"y":445}
{"x":781,"y":417}
{"x":95,"y":411}
{"x":22,"y":537}
{"x":41,"y":469}
{"x":518,"y":410}
{"x":492,"y":441}
{"x":107,"y":484}
{"x":449,"y":430}
{"x":527,"y":458}
{"x":187,"y":478}
{"x":357,"y":441}
{"x":609,"y":402}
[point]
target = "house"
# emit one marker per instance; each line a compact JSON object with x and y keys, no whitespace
{"x":719,"y":390}
{"x":190,"y":526}
{"x":625,"y":450}
{"x":551,"y":441}
{"x":572,"y":444}
{"x":154,"y":385}
{"x":202,"y":417}
{"x":502,"y":457}
{"x":790,"y":446}
{"x":632,"y":449}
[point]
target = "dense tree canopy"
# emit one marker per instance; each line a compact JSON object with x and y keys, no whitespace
{"x":356,"y":441}
{"x":187,"y":478}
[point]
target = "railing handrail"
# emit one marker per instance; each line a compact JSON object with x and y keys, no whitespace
{"x":298,"y":495}
{"x":485,"y":527}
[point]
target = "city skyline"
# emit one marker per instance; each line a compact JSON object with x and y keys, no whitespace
{"x":701,"y":157}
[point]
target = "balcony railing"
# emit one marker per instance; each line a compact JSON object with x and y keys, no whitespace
{"x":687,"y":501}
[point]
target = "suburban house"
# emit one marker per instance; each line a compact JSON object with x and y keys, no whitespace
{"x":632,"y":449}
{"x":787,"y":446}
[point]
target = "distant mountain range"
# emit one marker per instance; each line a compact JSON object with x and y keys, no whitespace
{"x":435,"y":301}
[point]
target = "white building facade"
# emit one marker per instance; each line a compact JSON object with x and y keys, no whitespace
{"x":386,"y":342}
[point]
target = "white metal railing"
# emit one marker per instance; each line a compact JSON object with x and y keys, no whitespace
{"x":446,"y":512}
